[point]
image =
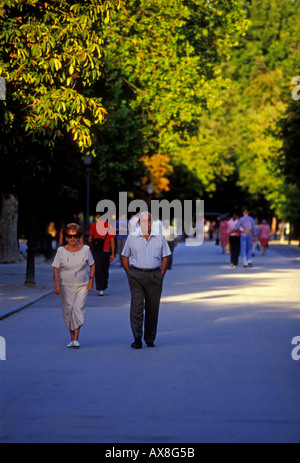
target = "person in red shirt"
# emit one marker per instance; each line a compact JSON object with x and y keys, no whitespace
{"x":102,"y":243}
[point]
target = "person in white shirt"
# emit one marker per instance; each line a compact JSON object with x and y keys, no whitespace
{"x":72,"y":281}
{"x":169,"y":233}
{"x":145,"y":260}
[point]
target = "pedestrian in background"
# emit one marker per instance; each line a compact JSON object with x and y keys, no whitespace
{"x":122,"y":232}
{"x":102,"y":242}
{"x":145,"y":260}
{"x":223,"y":233}
{"x":234,"y":241}
{"x":72,"y":280}
{"x":264,"y":234}
{"x":216,"y":231}
{"x":274,"y":228}
{"x":172,"y":240}
{"x":247,"y":227}
{"x":282,"y":227}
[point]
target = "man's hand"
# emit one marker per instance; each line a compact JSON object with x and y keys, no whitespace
{"x":125,"y":263}
{"x":164,"y":265}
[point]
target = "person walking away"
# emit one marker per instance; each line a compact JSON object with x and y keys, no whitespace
{"x":264,"y":234}
{"x":282,"y":227}
{"x":72,"y":281}
{"x":274,"y":228}
{"x":246,"y":226}
{"x":256,"y":243}
{"x":234,"y":241}
{"x":102,"y":242}
{"x":133,"y":226}
{"x":145,"y":260}
{"x":223,"y":232}
{"x":122,"y":232}
{"x":172,"y":240}
{"x":211,"y":230}
{"x":216,"y":231}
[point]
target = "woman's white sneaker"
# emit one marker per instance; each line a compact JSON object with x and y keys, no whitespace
{"x":74,"y":345}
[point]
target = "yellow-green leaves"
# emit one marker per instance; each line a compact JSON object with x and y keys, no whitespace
{"x":52,"y":51}
{"x":167,"y":52}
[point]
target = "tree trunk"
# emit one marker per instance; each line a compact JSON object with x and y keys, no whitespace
{"x":9,"y":249}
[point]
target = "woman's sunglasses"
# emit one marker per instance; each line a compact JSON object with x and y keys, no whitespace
{"x":73,"y":236}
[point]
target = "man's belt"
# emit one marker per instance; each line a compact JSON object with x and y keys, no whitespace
{"x":145,"y":269}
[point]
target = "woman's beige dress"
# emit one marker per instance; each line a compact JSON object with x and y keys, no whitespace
{"x":74,"y":278}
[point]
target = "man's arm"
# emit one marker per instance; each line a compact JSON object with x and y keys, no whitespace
{"x":125,"y":263}
{"x":164,"y":265}
{"x":236,"y":228}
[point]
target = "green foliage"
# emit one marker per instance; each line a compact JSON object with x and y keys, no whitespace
{"x":203,"y":83}
{"x":268,"y":59}
{"x":289,"y":162}
{"x":245,"y":130}
{"x":51,"y":52}
{"x":166,"y":52}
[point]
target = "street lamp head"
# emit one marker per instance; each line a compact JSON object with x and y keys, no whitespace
{"x":88,"y":158}
{"x":150,"y":189}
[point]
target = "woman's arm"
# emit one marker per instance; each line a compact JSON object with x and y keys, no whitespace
{"x":56,"y":280}
{"x":92,"y":277}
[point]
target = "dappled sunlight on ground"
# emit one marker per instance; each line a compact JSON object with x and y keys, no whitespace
{"x":269,"y":289}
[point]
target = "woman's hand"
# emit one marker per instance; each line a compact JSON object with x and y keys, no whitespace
{"x":90,"y":284}
{"x":57,"y":289}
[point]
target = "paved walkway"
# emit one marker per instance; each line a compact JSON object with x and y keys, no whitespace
{"x":221,"y":370}
{"x":14,"y":294}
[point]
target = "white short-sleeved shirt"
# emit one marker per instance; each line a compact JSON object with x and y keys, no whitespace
{"x":73,"y":266}
{"x":144,"y":253}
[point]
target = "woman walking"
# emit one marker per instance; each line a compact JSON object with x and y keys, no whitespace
{"x":223,"y":231}
{"x":264,"y":234}
{"x":234,"y":241}
{"x":72,"y":281}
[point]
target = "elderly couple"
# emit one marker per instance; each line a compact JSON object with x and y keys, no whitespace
{"x":145,"y":260}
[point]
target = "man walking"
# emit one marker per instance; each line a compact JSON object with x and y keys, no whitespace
{"x":145,"y":260}
{"x":247,"y":228}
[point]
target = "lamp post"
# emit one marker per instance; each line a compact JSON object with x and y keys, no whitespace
{"x":87,"y":162}
{"x":30,"y":266}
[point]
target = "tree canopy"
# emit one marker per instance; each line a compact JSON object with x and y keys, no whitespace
{"x":51,"y":54}
{"x":167,"y":53}
{"x":192,"y":96}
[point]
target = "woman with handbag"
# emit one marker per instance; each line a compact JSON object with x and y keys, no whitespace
{"x":102,"y":243}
